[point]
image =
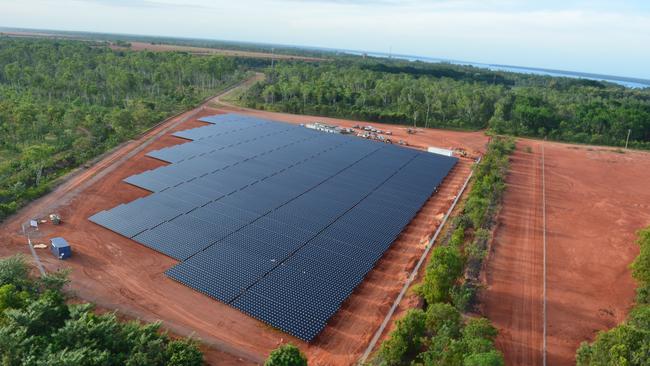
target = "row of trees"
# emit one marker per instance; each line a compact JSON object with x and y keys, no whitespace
{"x":39,"y":327}
{"x":449,"y":96}
{"x":629,"y":343}
{"x":439,"y":335}
{"x":64,"y":102}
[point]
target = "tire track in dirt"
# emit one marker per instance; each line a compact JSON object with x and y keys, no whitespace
{"x":513,"y":297}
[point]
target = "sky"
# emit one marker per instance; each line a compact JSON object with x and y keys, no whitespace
{"x":606,"y":37}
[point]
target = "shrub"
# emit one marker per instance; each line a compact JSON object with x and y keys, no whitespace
{"x":479,"y":328}
{"x":441,"y":315}
{"x":444,"y":268}
{"x":491,"y":358}
{"x":463,"y":296}
{"x":641,"y":267}
{"x":458,"y":236}
{"x":15,"y":271}
{"x":405,"y":342}
{"x":286,"y":355}
{"x":460,"y":344}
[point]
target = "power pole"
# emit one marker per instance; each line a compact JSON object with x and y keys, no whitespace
{"x":628,"y":137}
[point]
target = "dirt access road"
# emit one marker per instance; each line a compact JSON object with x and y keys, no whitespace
{"x":596,"y":198}
{"x":117,"y":273}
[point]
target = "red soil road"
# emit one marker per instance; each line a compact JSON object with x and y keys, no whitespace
{"x":596,"y":199}
{"x":513,"y":298}
{"x":117,"y":273}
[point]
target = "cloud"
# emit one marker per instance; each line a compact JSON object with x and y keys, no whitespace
{"x":594,"y":36}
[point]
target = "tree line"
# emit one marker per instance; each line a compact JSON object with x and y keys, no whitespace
{"x":65,"y":102}
{"x":438,"y":334}
{"x":459,"y":97}
{"x":39,"y":327}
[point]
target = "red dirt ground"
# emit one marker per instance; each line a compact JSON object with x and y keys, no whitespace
{"x":117,"y":273}
{"x":596,"y":198}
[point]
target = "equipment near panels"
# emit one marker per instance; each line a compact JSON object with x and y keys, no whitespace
{"x":276,"y":220}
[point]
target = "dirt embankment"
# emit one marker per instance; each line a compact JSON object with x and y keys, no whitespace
{"x":596,"y":199}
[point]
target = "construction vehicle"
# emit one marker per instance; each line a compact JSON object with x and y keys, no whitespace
{"x":55,"y":219}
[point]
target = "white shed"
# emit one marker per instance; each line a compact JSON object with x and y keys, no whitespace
{"x":437,"y":150}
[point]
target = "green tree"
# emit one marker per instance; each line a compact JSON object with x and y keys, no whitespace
{"x":491,"y":358}
{"x":443,"y":270}
{"x":286,"y":355}
{"x":10,"y":298}
{"x":641,"y":266}
{"x":15,"y":271}
{"x":405,"y":341}
{"x":442,"y":315}
{"x":183,"y":352}
{"x":38,"y":327}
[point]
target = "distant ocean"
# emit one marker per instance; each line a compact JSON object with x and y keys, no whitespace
{"x":621,"y":80}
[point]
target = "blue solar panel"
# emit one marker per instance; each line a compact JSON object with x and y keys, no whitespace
{"x":276,"y":220}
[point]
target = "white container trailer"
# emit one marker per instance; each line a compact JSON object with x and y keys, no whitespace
{"x":437,"y":150}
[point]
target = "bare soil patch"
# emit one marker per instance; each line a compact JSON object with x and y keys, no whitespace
{"x":158,"y":47}
{"x":596,"y":199}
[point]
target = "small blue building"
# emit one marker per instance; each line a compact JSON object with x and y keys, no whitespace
{"x":60,"y":248}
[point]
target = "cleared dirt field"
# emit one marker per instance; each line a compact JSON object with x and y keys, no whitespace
{"x":120,"y":274}
{"x":596,"y":198}
{"x":142,"y":46}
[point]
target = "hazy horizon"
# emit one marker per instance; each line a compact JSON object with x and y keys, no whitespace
{"x":602,"y":37}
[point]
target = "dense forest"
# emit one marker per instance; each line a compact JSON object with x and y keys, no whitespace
{"x":64,"y":102}
{"x":459,"y":97}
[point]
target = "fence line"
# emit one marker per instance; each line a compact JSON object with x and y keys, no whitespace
{"x":414,"y":272}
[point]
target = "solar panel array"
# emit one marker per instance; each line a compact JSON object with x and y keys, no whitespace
{"x":276,"y":220}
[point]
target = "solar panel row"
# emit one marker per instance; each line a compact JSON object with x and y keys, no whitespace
{"x":276,"y":220}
